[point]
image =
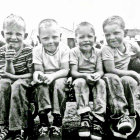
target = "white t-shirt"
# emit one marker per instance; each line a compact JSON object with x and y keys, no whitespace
{"x":51,"y":62}
{"x":120,"y":59}
{"x":85,"y":65}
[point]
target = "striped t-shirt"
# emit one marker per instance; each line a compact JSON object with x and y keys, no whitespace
{"x":22,"y":63}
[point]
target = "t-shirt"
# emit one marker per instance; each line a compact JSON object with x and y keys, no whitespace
{"x":51,"y":62}
{"x":84,"y":64}
{"x":120,"y":59}
{"x":22,"y":62}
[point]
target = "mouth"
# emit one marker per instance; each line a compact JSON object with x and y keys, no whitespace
{"x":86,"y":44}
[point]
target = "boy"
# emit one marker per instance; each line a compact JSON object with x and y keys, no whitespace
{"x":86,"y":69}
{"x":51,"y":65}
{"x":15,"y":73}
{"x":121,"y":82}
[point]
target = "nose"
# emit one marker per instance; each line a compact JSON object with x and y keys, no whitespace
{"x":112,"y":36}
{"x":13,"y":36}
{"x":51,"y":40}
{"x":86,"y":39}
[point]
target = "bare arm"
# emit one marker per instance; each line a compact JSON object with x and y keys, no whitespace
{"x":99,"y":66}
{"x":75,"y":73}
{"x":110,"y":67}
{"x":15,"y":77}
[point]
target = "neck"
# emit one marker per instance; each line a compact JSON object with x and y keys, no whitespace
{"x":122,"y":48}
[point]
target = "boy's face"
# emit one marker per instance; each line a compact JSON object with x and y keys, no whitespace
{"x":114,"y":35}
{"x":14,"y":35}
{"x":85,"y":38}
{"x":49,"y":37}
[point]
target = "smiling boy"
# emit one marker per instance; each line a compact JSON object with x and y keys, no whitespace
{"x":16,"y":68}
{"x":121,"y":82}
{"x":51,"y":61}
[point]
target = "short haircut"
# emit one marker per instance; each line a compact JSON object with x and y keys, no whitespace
{"x":47,"y":23}
{"x":114,"y":20}
{"x":84,"y":24}
{"x":12,"y":20}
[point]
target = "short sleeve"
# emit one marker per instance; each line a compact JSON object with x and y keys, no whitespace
{"x":107,"y":53}
{"x":73,"y":57}
{"x":65,"y":55}
{"x":37,"y":55}
{"x":99,"y":64}
{"x":134,"y":47}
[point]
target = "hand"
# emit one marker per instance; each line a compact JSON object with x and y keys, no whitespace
{"x":49,"y":78}
{"x":96,"y":76}
{"x":6,"y":75}
{"x":10,"y":54}
{"x":36,"y":76}
{"x":69,"y":80}
{"x":136,"y":76}
{"x":89,"y":79}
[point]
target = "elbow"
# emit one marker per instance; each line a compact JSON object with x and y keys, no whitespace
{"x":66,"y":71}
{"x":110,"y":70}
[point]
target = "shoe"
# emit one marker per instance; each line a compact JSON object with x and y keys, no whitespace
{"x":43,"y":131}
{"x":96,"y":131}
{"x":84,"y":130}
{"x":55,"y":131}
{"x":57,"y":121}
{"x":4,"y":133}
{"x":124,"y":125}
{"x":18,"y":137}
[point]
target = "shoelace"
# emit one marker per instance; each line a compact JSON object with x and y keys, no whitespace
{"x":43,"y":131}
{"x":18,"y":137}
{"x":124,"y":119}
{"x":4,"y":133}
{"x":97,"y":127}
{"x":85,"y":124}
{"x":56,"y":131}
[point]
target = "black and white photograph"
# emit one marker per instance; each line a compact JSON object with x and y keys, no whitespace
{"x":70,"y":70}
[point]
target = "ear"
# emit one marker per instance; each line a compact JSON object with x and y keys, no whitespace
{"x":60,"y":36}
{"x":25,"y":36}
{"x":39,"y":39}
{"x":95,"y":39}
{"x":2,"y":33}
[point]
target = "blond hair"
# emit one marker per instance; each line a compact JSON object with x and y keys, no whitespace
{"x":114,"y":20}
{"x":84,"y":24}
{"x":12,"y":20}
{"x":47,"y":23}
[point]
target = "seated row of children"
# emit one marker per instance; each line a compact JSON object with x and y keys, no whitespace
{"x":103,"y":72}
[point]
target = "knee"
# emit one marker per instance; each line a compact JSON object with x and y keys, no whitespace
{"x":113,"y":78}
{"x":101,"y":83}
{"x":80,"y":82}
{"x":60,"y":83}
{"x":5,"y":82}
{"x":129,"y":80}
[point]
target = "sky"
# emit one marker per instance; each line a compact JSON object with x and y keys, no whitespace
{"x":71,"y":12}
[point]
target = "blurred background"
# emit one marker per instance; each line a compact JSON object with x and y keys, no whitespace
{"x":69,"y":13}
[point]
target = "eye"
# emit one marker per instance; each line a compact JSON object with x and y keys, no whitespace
{"x":18,"y":34}
{"x":81,"y":37}
{"x":90,"y":36}
{"x":116,"y":33}
{"x":54,"y":37}
{"x":9,"y":33}
{"x":107,"y":35}
{"x":45,"y":38}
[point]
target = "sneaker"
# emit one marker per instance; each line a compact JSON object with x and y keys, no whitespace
{"x":124,"y":125}
{"x":43,"y":131}
{"x":4,"y":133}
{"x":84,"y":130}
{"x":55,"y":131}
{"x":18,"y":137}
{"x":96,"y":132}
